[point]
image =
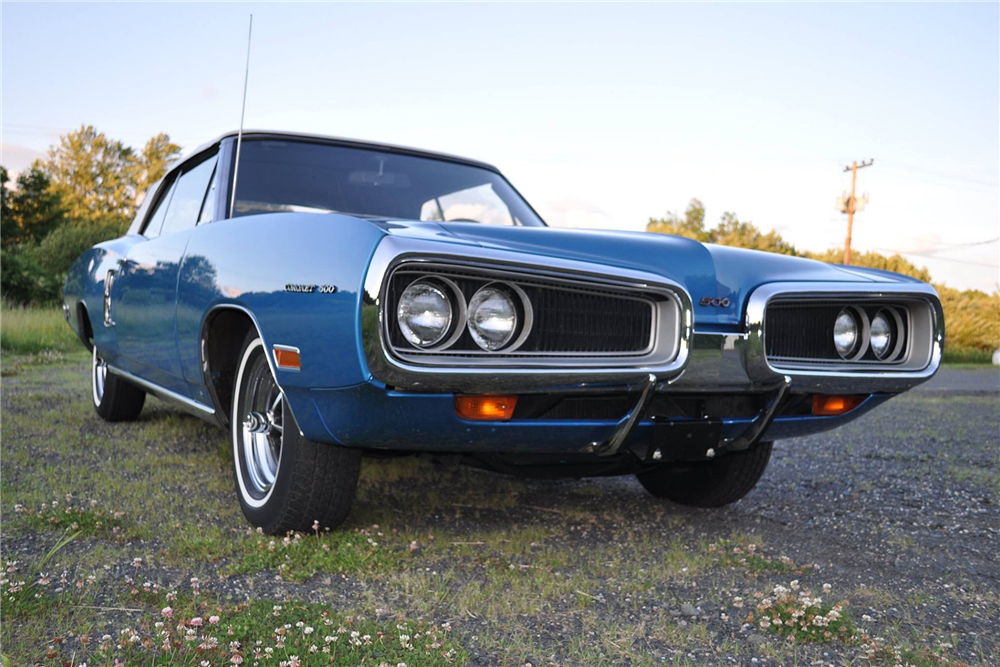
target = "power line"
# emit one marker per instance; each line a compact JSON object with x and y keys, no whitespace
{"x":935,"y":257}
{"x":944,"y":175}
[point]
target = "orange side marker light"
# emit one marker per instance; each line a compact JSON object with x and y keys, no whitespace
{"x":287,"y":358}
{"x":827,"y":406}
{"x":485,"y":408}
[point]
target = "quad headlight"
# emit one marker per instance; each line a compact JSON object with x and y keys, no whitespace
{"x":492,"y":317}
{"x":424,"y":314}
{"x":880,"y":337}
{"x":846,"y":333}
{"x":439,"y":313}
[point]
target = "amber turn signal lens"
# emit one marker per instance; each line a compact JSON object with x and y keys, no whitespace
{"x":827,"y":406}
{"x":287,"y":359}
{"x":485,"y":408}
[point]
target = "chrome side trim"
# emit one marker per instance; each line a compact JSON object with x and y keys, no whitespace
{"x":508,"y":374}
{"x":199,"y":409}
{"x":852,"y":378}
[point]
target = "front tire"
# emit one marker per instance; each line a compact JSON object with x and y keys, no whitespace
{"x":283,"y":480}
{"x":115,"y":398}
{"x":712,"y":483}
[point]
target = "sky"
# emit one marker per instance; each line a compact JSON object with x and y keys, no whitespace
{"x":601,"y":115}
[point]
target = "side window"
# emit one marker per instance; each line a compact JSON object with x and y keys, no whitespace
{"x":188,"y":197}
{"x":208,"y":208}
{"x":152,"y":228}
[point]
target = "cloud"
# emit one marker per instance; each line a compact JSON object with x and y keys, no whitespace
{"x":18,"y":158}
{"x":570,"y":212}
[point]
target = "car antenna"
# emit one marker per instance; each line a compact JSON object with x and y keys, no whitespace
{"x":239,"y":136}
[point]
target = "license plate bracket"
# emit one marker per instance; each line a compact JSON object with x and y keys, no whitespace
{"x":685,"y":440}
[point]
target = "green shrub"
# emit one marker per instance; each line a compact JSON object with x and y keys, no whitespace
{"x":59,"y":250}
{"x":35,"y":273}
{"x":22,"y":278}
{"x":971,"y":319}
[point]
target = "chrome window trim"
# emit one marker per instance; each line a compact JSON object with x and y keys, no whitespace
{"x":850,"y":377}
{"x":519,"y":373}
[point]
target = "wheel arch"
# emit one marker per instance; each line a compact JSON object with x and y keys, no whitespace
{"x":84,"y":327}
{"x":222,"y":333}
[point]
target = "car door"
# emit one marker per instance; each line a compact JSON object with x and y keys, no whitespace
{"x":146,"y":312}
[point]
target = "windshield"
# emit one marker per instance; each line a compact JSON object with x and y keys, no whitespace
{"x":282,"y":175}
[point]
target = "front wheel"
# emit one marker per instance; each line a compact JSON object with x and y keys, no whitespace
{"x":712,"y":483}
{"x":115,"y":398}
{"x":284,"y":481}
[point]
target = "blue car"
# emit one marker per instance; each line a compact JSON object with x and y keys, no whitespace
{"x":325,"y":299}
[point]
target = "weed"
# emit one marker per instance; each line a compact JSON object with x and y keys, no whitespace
{"x":801,"y":616}
{"x":296,"y":557}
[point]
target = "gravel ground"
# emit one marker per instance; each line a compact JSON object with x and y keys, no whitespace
{"x":897,"y":511}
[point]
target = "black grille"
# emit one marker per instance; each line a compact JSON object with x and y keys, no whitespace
{"x":581,"y":322}
{"x":803,"y":331}
{"x":566,"y":319}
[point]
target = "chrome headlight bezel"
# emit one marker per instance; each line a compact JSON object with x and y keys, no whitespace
{"x":523,"y":316}
{"x":859,"y":344}
{"x":444,"y":291}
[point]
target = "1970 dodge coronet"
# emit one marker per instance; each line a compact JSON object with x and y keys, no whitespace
{"x":354,"y":298}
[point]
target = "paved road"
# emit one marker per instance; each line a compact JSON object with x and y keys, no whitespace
{"x":964,"y":380}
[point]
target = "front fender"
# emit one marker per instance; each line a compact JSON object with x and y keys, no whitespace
{"x":248,"y":262}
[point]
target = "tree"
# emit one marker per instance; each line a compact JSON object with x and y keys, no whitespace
{"x":93,"y":175}
{"x":894,"y":263}
{"x":731,"y":231}
{"x":32,"y":209}
{"x":152,"y":163}
{"x":692,"y":225}
{"x":8,"y":227}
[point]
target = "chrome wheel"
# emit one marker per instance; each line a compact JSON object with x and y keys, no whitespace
{"x":258,"y":424}
{"x":98,"y":376}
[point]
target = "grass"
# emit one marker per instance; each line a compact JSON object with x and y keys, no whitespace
{"x":967,"y":356}
{"x":298,"y":557}
{"x":575,"y":572}
{"x":35,"y":329}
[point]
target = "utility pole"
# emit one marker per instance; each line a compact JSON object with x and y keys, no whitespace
{"x":851,"y":204}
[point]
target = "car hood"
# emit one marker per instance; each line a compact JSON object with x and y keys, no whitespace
{"x":705,"y":270}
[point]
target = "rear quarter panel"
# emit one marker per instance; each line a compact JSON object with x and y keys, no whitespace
{"x":85,"y":286}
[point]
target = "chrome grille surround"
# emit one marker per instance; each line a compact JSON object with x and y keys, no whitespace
{"x":797,"y":331}
{"x":665,"y":353}
{"x":917,"y":363}
{"x":542,"y":290}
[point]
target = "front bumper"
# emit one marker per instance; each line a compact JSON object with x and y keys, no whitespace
{"x":373,"y":417}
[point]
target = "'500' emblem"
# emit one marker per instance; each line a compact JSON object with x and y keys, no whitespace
{"x":709,"y":301}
